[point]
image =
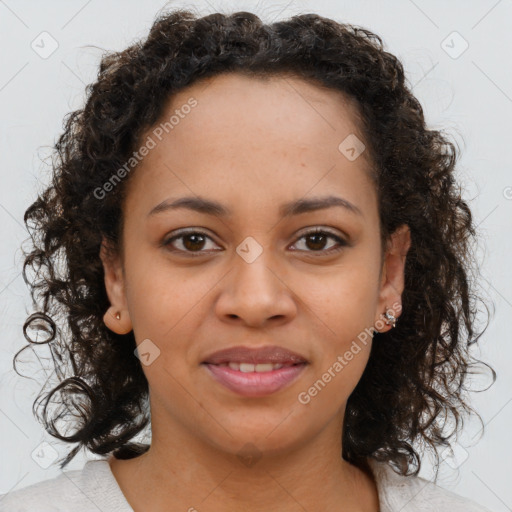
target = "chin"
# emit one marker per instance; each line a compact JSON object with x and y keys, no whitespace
{"x":254,"y":441}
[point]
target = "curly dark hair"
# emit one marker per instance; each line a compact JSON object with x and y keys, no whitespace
{"x":416,"y":372}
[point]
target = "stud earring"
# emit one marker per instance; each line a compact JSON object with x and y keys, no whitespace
{"x":390,"y":319}
{"x":120,"y":325}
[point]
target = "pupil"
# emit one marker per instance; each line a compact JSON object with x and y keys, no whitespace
{"x":196,"y":238}
{"x":318,"y":236}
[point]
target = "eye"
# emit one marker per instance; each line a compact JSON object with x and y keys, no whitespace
{"x":317,"y":239}
{"x":193,"y":241}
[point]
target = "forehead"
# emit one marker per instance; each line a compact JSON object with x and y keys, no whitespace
{"x":254,"y":135}
{"x":278,"y":105}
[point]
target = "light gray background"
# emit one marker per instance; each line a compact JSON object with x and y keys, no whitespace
{"x":468,"y":95}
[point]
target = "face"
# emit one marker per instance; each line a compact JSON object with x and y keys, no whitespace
{"x":192,"y":281}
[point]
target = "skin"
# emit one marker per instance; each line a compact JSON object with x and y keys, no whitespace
{"x":251,"y":145}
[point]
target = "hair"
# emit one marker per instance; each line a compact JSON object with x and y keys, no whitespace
{"x":416,"y":372}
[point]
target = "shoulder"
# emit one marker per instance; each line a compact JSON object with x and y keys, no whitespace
{"x":88,"y":489}
{"x":51,"y":494}
{"x":414,"y":493}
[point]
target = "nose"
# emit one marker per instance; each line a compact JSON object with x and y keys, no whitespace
{"x":255,"y":293}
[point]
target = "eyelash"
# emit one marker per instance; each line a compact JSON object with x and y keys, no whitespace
{"x":342,"y":243}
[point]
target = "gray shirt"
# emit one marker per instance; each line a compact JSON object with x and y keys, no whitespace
{"x":95,"y":489}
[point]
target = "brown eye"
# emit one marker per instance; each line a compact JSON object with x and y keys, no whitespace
{"x":189,"y":242}
{"x":193,"y":241}
{"x":316,"y":240}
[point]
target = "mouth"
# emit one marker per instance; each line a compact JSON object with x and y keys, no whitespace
{"x":255,"y":372}
{"x":270,"y":354}
{"x":251,"y":381}
{"x":258,"y":368}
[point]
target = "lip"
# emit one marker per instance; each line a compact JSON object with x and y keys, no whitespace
{"x":243,"y":354}
{"x":255,"y":384}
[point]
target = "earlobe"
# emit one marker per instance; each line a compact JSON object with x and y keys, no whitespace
{"x":117,"y":322}
{"x":388,"y":318}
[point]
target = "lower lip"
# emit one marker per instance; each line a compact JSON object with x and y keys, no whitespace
{"x":255,"y":383}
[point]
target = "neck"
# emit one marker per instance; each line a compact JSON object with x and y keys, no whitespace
{"x":201,"y":477}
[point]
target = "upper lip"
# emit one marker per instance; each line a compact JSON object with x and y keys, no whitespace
{"x":267,"y":354}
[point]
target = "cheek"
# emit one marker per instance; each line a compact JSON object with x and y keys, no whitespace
{"x":340,"y":307}
{"x":166,"y":306}
{"x":339,"y":367}
{"x":341,"y":303}
{"x":156,"y":293}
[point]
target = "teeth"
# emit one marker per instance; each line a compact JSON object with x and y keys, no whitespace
{"x":260,"y":367}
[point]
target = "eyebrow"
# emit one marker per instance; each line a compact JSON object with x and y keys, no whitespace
{"x":210,"y":207}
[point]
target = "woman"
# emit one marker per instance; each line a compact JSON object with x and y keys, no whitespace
{"x":268,"y":261}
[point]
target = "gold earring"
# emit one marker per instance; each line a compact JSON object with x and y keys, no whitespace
{"x":121,"y":325}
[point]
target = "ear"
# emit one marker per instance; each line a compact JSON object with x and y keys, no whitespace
{"x":393,"y":276}
{"x":117,"y":317}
